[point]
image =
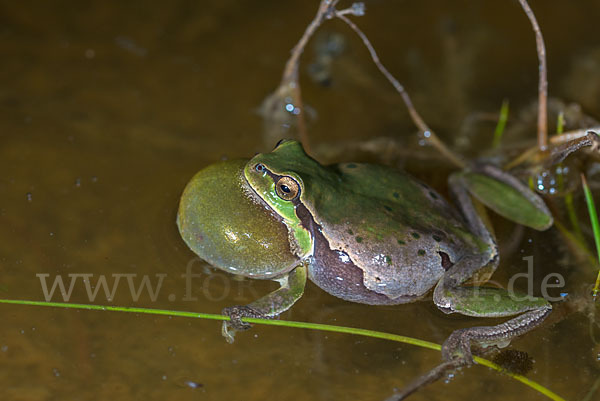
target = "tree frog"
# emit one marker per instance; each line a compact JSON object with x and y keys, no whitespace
{"x":362,"y":232}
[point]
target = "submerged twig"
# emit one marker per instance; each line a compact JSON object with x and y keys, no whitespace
{"x":543,"y":80}
{"x":595,"y":387}
{"x":290,"y":72}
{"x":426,"y":132}
{"x":432,"y":376}
{"x":286,"y":100}
{"x":289,"y":86}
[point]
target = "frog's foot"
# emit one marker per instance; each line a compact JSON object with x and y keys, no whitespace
{"x":595,"y":139}
{"x":458,"y":345}
{"x":560,"y":152}
{"x":236,"y":314}
{"x":457,"y":348}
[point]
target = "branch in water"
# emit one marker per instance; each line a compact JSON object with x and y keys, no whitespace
{"x":276,"y":106}
{"x":543,"y":80}
{"x":426,"y":132}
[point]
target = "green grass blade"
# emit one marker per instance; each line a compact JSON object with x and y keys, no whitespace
{"x":502,"y":118}
{"x":560,"y":124}
{"x":589,"y":199}
{"x":285,"y":323}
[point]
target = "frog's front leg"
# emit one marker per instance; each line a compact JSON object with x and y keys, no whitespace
{"x":507,"y":195}
{"x":269,"y":306}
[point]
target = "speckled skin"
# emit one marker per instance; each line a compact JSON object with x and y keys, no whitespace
{"x":393,"y":228}
{"x":364,"y":233}
{"x":398,"y":246}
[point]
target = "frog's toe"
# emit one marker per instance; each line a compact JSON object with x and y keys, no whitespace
{"x":595,"y":139}
{"x":458,"y":347}
{"x":228,"y":332}
{"x":237,"y":313}
{"x":235,"y":323}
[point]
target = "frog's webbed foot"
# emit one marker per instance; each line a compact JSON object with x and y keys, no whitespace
{"x":560,"y":152}
{"x":267,"y":307}
{"x":457,"y":347}
{"x":236,"y":314}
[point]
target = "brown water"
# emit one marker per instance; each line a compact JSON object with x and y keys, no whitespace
{"x":108,"y":108}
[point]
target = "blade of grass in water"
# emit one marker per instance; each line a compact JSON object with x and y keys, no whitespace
{"x":313,"y":326}
{"x":502,"y":118}
{"x":595,"y":225}
{"x":560,"y":124}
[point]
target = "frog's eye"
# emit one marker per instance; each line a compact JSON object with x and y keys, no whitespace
{"x":287,"y":188}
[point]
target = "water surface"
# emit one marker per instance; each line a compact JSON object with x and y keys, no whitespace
{"x":108,"y":108}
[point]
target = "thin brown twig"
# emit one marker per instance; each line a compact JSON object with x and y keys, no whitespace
{"x":543,"y":80}
{"x":415,"y":116}
{"x":426,"y":132}
{"x":289,"y":80}
{"x":432,"y":376}
{"x":290,"y":73}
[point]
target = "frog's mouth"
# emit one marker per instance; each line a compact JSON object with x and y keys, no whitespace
{"x":238,"y":233}
{"x":253,"y":195}
{"x":265,"y":185}
{"x":294,"y":229}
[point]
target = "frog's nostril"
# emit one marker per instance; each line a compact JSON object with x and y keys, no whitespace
{"x":259,"y":167}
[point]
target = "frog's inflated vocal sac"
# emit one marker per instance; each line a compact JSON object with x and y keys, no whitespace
{"x":364,"y":233}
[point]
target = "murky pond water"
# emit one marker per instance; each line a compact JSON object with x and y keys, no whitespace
{"x":108,"y":108}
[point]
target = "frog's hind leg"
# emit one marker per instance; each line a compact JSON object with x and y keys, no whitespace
{"x":451,"y":296}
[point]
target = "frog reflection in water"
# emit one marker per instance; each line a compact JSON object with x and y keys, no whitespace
{"x":364,"y":233}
